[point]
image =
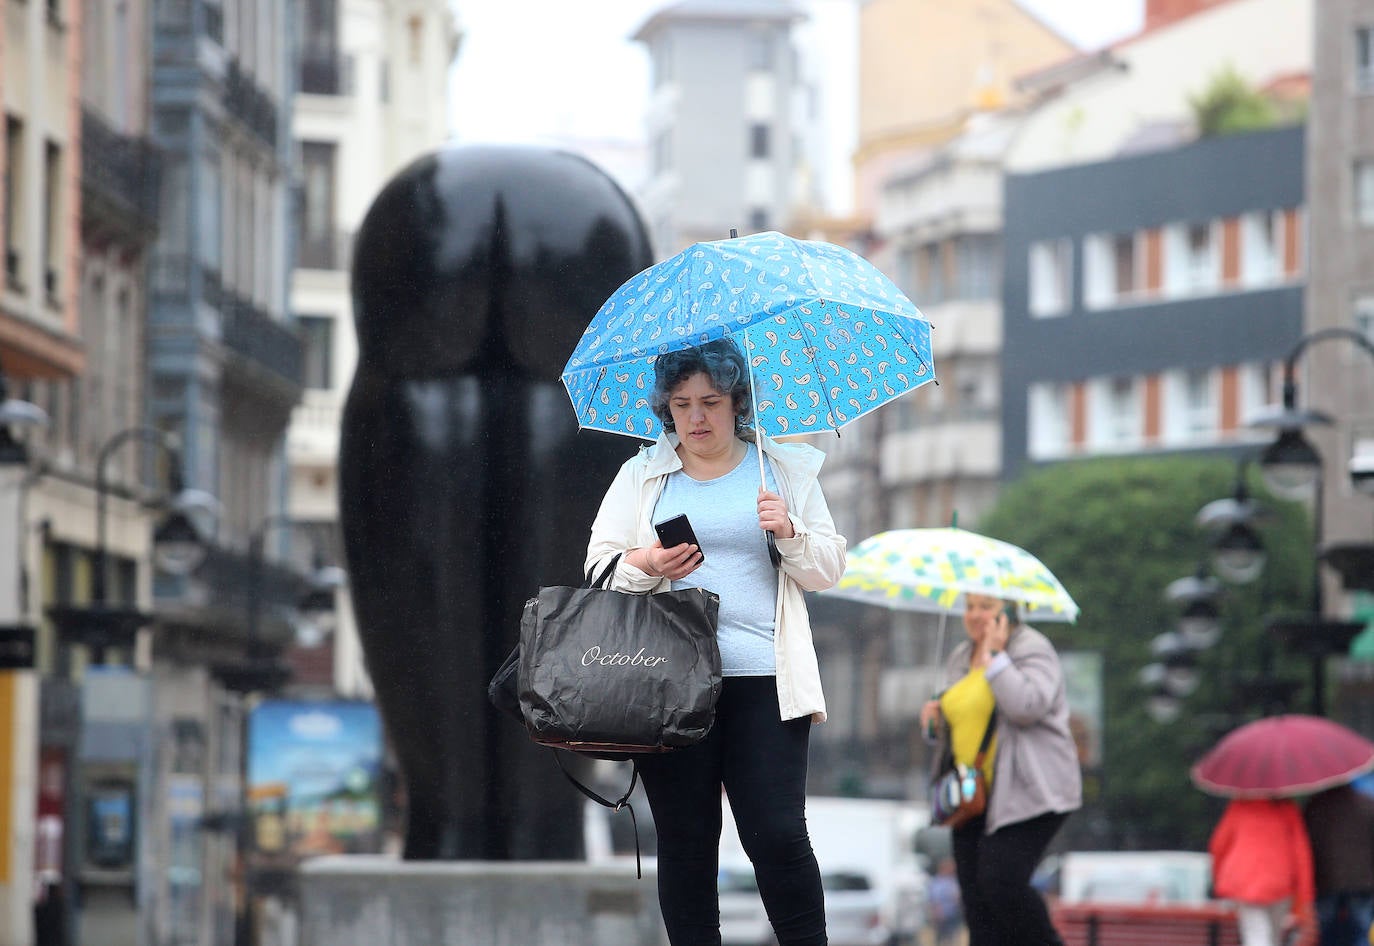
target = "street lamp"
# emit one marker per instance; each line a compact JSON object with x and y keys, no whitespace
{"x":1199,"y":625}
{"x":1237,"y":551}
{"x":1292,"y":467}
{"x":179,"y":546}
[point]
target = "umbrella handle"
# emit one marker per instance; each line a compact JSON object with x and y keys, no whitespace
{"x":773,"y":554}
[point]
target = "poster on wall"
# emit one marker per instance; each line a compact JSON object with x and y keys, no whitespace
{"x":1083,"y":686}
{"x":314,"y":770}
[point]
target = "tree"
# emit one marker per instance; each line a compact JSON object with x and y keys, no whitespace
{"x":1229,"y":105}
{"x":1116,"y":532}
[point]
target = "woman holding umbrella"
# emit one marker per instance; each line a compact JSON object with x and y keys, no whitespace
{"x":1006,"y":677}
{"x":706,"y":464}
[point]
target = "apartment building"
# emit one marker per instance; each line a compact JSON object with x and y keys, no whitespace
{"x":372,"y":97}
{"x":1147,"y":314}
{"x":725,"y":120}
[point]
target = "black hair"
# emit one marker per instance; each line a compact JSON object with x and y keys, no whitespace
{"x":723,"y":364}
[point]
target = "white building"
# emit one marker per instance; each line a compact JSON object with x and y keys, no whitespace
{"x":1092,"y":105}
{"x":372,"y":98}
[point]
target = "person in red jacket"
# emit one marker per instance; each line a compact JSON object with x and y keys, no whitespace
{"x":1262,"y":859}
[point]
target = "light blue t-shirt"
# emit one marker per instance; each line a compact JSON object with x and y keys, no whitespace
{"x":724,"y":515}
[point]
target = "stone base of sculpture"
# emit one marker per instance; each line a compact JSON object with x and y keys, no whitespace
{"x":366,"y":900}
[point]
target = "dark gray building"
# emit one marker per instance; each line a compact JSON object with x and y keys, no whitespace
{"x":1147,"y":299}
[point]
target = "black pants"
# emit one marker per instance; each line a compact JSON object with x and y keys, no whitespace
{"x":1001,"y":908}
{"x":761,"y":762}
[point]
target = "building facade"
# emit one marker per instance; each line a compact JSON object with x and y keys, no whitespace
{"x":1147,"y":314}
{"x":724,"y":122}
{"x":372,"y":98}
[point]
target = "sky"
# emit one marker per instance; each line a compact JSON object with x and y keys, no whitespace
{"x":531,"y":70}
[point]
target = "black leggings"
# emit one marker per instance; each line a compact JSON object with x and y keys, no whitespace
{"x":761,"y":762}
{"x":1001,"y":908}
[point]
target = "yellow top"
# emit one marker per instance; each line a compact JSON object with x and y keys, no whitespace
{"x":967,"y":707}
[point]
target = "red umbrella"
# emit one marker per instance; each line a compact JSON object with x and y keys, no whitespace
{"x":1281,"y":756}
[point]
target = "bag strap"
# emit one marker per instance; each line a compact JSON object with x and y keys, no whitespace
{"x":987,"y":738}
{"x":601,"y":579}
{"x":622,"y":802}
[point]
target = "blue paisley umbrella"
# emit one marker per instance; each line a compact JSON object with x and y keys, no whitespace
{"x":828,"y":337}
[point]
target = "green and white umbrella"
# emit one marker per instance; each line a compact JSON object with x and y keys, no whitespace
{"x":934,"y":570}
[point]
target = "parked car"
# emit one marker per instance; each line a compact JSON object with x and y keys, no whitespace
{"x":854,"y":909}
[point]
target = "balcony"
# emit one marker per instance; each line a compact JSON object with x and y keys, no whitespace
{"x":250,"y":104}
{"x":251,"y":333}
{"x":120,"y":177}
{"x":331,"y":251}
{"x":322,"y":73}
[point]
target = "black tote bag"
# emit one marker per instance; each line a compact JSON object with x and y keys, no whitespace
{"x":610,"y":671}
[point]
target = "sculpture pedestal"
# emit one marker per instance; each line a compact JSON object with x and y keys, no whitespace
{"x":365,"y":900}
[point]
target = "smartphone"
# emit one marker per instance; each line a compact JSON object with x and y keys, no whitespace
{"x":1012,"y":613}
{"x":675,"y":531}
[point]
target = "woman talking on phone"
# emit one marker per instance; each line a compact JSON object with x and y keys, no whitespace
{"x":1007,"y":676}
{"x":705,"y":465}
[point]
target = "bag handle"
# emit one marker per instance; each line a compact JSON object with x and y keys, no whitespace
{"x":987,"y":738}
{"x":605,"y":575}
{"x":622,"y":802}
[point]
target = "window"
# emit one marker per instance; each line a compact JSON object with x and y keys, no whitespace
{"x":1110,"y":269}
{"x":316,"y":225}
{"x":1124,"y":263}
{"x":317,"y":339}
{"x":14,"y":177}
{"x":932,"y":273}
{"x":1364,"y":192}
{"x":1115,"y":418}
{"x":1364,"y":316}
{"x":758,"y":140}
{"x":1190,"y":406}
{"x":52,"y":219}
{"x":663,"y":151}
{"x":1050,"y":425}
{"x":1051,"y":273}
{"x":662,"y":62}
{"x":1200,"y":259}
{"x":760,"y":52}
{"x":1260,"y":248}
{"x":1364,"y":59}
{"x":976,"y":267}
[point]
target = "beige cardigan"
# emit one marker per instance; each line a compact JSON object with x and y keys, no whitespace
{"x":812,"y":560}
{"x":1036,"y":770}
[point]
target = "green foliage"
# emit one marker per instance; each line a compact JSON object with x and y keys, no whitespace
{"x":1116,"y":532}
{"x":1229,"y":105}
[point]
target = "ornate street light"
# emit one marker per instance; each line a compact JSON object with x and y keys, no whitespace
{"x":1199,"y":626}
{"x":1292,"y":467}
{"x":180,"y":544}
{"x":1238,"y":553}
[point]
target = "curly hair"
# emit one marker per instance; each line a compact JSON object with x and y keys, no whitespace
{"x":723,"y":364}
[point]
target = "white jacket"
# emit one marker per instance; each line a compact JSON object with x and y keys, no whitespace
{"x":811,"y":561}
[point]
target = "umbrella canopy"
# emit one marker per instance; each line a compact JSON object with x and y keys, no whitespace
{"x":1280,"y":756}
{"x":936,"y":569}
{"x":828,"y":337}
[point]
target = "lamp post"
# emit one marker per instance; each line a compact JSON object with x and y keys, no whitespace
{"x":179,"y":546}
{"x":263,"y":671}
{"x":1292,"y":467}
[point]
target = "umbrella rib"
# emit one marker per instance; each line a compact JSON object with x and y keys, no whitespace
{"x":892,"y":321}
{"x":816,"y":367}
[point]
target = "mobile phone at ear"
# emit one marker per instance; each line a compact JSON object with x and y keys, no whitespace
{"x":675,"y":531}
{"x":1013,"y":618}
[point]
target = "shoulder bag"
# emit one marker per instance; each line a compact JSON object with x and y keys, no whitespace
{"x":960,"y":793}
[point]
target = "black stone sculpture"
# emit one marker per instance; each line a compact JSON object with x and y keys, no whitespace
{"x":464,"y":482}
